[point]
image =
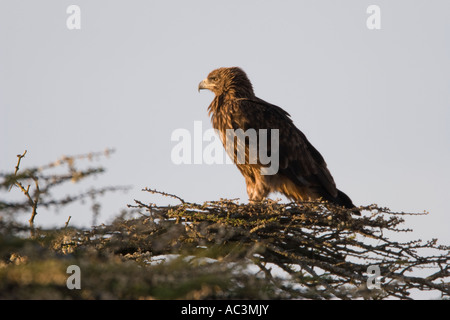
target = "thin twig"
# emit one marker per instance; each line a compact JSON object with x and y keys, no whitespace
{"x":67,"y":222}
{"x":20,"y":156}
{"x":154,"y":191}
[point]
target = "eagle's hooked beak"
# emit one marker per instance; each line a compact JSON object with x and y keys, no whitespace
{"x":204,"y":85}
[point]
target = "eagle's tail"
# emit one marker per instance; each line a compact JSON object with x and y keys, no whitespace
{"x":343,"y":200}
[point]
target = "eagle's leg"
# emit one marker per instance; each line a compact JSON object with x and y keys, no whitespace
{"x":256,"y":190}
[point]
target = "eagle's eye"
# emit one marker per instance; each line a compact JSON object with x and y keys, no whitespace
{"x":213,"y":79}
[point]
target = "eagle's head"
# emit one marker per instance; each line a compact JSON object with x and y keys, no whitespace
{"x":228,"y":81}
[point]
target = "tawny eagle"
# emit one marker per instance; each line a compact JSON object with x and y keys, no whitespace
{"x":302,"y":174}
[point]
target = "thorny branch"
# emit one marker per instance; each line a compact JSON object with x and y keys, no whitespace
{"x":26,"y":191}
{"x":310,"y":250}
{"x":45,"y":181}
{"x":322,"y":251}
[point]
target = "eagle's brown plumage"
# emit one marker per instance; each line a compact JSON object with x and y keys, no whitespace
{"x":303,"y":174}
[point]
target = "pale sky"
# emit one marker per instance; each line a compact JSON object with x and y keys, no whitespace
{"x":375,"y":103}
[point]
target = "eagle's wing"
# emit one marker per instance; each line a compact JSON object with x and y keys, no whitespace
{"x":298,"y":159}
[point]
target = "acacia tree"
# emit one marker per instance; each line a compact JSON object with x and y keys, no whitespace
{"x":218,"y":249}
{"x":305,"y":250}
{"x":38,"y":184}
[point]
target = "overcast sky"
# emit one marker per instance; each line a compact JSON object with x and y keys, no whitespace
{"x":375,"y":103}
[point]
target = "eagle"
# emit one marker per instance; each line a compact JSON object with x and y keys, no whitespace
{"x":302,"y":173}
